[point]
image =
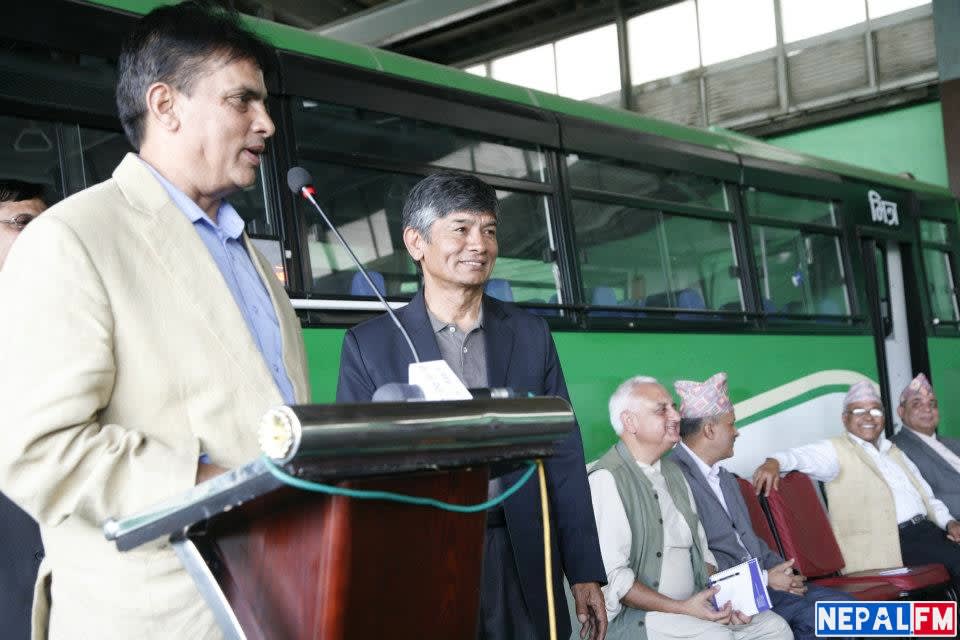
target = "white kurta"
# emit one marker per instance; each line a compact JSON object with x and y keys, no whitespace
{"x":819,"y":461}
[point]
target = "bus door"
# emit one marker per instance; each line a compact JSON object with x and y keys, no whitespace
{"x":892,"y":287}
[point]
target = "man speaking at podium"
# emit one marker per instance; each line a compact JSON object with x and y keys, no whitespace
{"x":141,"y":329}
{"x":450,"y":230}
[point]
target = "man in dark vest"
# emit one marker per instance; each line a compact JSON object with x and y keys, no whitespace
{"x":708,"y":429}
{"x":937,"y":458}
{"x":654,"y":548}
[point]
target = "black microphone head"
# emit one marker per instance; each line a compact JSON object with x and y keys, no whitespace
{"x":298,"y":178}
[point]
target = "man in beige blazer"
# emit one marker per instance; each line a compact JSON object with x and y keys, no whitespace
{"x":142,"y":329}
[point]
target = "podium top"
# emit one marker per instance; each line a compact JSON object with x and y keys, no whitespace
{"x":335,"y":442}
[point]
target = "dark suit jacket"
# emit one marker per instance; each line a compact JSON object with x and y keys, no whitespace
{"x":21,"y":551}
{"x":942,"y":478}
{"x":722,"y":528}
{"x":520,"y":355}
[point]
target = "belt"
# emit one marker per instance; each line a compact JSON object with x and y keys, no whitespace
{"x":915,"y":520}
{"x":495,"y":518}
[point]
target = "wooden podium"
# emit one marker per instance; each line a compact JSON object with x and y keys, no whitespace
{"x":279,"y":563}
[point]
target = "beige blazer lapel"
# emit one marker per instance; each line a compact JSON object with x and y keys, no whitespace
{"x":294,"y":360}
{"x":192,"y":269}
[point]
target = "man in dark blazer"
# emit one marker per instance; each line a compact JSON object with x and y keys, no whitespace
{"x":449,"y":228}
{"x":708,"y":431}
{"x":937,"y":458}
{"x":21,"y":549}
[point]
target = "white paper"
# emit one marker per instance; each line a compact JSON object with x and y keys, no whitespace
{"x":742,"y":586}
{"x":438,"y":381}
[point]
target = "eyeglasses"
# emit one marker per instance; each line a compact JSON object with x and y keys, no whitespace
{"x":19,"y":221}
{"x":860,"y":412}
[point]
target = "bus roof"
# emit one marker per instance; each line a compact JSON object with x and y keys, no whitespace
{"x":305,"y":42}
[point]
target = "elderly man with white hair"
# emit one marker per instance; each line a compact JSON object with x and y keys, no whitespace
{"x":882,"y":511}
{"x":654,"y":548}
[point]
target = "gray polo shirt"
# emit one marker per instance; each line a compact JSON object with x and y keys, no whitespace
{"x":466,"y":353}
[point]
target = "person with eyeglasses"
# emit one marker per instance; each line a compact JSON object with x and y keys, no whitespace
{"x":20,"y":203}
{"x":21,"y":548}
{"x":882,"y":511}
{"x":937,"y":457}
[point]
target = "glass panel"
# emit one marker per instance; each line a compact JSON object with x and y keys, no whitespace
{"x":934,"y":232}
{"x":879,"y":8}
{"x":102,"y":152}
{"x":943,"y":298}
{"x":366,"y":206}
{"x":588,"y":66}
{"x":334,"y":128}
{"x":28,"y":151}
{"x":534,"y":68}
{"x":808,"y":18}
{"x":645,"y":258}
{"x":800,"y":273}
{"x":775,"y":205}
{"x":616,"y":176}
{"x":663,"y":43}
{"x":730,"y":30}
{"x":525,"y":267}
{"x":477,"y":69}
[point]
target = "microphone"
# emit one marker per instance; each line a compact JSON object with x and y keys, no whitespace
{"x":301,"y":183}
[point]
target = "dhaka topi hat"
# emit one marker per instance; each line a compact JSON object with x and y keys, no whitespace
{"x":918,"y":387}
{"x":862,"y":391}
{"x":704,"y":399}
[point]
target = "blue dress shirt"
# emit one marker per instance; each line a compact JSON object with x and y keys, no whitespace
{"x":223,"y":241}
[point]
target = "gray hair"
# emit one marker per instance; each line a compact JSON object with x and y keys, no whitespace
{"x":622,"y":397}
{"x":440,"y":194}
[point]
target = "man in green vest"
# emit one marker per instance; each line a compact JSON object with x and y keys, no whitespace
{"x":654,"y":549}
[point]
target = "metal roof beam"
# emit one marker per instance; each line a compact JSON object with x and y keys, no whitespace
{"x":397,"y":21}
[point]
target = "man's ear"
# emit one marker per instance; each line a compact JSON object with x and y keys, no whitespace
{"x":161,"y":106}
{"x":901,"y":411}
{"x":414,"y":243}
{"x":708,"y":429}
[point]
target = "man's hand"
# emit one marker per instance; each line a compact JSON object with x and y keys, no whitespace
{"x":953,"y":531}
{"x":767,"y":477}
{"x":700,"y":605}
{"x":591,"y":610}
{"x":737,"y":617}
{"x":782,"y":578}
{"x":207,"y":471}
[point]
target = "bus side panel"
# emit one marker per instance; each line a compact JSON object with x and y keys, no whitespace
{"x":787,"y":389}
{"x":945,"y":372}
{"x":323,"y":360}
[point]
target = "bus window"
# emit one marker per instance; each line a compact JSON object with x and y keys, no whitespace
{"x":327,"y":127}
{"x":789,"y":208}
{"x":800,"y":272}
{"x":616,"y":176}
{"x":28,"y":151}
{"x":366,"y":205}
{"x":645,"y":258}
{"x":938,"y":257}
{"x":931,"y":231}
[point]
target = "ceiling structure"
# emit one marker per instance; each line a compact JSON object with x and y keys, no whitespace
{"x":446,"y":31}
{"x":732,"y":95}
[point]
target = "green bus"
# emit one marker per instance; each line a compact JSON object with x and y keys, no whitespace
{"x":650,"y":248}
